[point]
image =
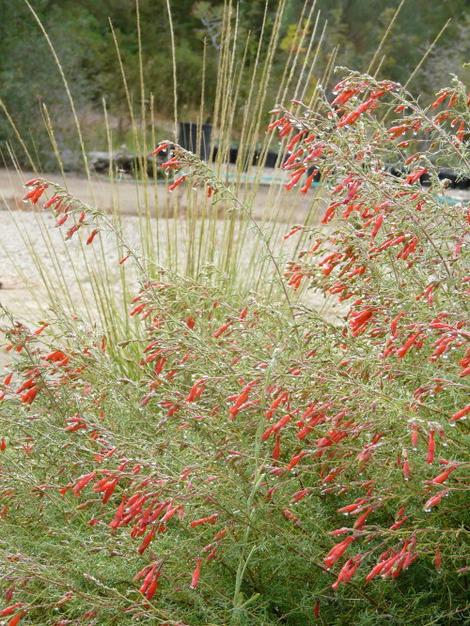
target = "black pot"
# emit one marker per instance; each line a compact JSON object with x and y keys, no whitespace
{"x":188,"y":138}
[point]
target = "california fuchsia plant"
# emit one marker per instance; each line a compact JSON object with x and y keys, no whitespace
{"x":247,"y":461}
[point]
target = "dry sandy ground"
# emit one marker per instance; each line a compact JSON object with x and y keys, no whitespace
{"x":130,"y":197}
{"x":25,"y":234}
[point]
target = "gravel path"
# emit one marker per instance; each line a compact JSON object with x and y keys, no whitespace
{"x":37,"y":268}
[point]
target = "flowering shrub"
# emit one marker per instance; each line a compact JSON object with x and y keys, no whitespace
{"x":246,"y":461}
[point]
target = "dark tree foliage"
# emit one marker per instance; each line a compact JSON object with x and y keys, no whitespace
{"x":81,"y":35}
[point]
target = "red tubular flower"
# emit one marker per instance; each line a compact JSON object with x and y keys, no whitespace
{"x":460,"y":415}
{"x":348,"y":118}
{"x":55,"y":357}
{"x":82,"y":482}
{"x":276,"y":123}
{"x":286,"y":128}
{"x":148,"y":573}
{"x":344,"y":96}
{"x":443,"y":476}
{"x":406,"y":465}
{"x":442,"y":95}
{"x":27,"y":384}
{"x":172,"y":163}
{"x":160,"y":148}
{"x":170,"y":512}
{"x":359,"y":320}
{"x":452,"y":100}
{"x":295,"y":177}
{"x":52,"y":200}
{"x":394,"y":324}
{"x":150,"y":584}
{"x":330,"y":477}
{"x":137,"y":309}
{"x":190,"y":322}
{"x":414,"y":435}
{"x":124,"y":259}
{"x":210,"y":519}
{"x":35,"y":194}
{"x":28,"y":396}
{"x":315,"y":152}
{"x":91,"y":236}
{"x":412,"y":340}
{"x":375,"y":571}
{"x":377,"y":226}
{"x":397,"y":131}
{"x":361,"y":520}
{"x":351,"y":508}
{"x":196,"y":574}
{"x":176,"y":183}
{"x":368,"y":104}
{"x":337,"y":552}
{"x":71,"y":231}
{"x":295,"y":140}
{"x":399,"y":521}
{"x":16,"y":619}
{"x":220,"y":534}
{"x":316,"y":609}
{"x":330,"y":212}
{"x":196,"y":390}
{"x":308,"y":182}
{"x":408,"y":249}
{"x":61,"y":220}
{"x":281,"y":423}
{"x":9,"y":610}
{"x":222,"y":329}
{"x":292,"y":162}
{"x":282,"y":398}
{"x":347,"y":571}
{"x":41,"y":329}
{"x":8,"y":378}
{"x":159,"y":365}
{"x":332,"y":436}
{"x":276,"y":453}
{"x":392,"y":241}
{"x":243,"y":313}
{"x":292,"y":231}
{"x":290,"y":516}
{"x":240,"y":400}
{"x":301,"y":494}
{"x":75,"y":423}
{"x":431,"y":447}
{"x":295,"y":460}
{"x":146,"y":542}
{"x":267,"y":433}
{"x":295,"y":279}
{"x":416,"y":175}
{"x":434,"y":500}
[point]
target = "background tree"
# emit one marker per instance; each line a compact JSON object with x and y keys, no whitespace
{"x":81,"y":35}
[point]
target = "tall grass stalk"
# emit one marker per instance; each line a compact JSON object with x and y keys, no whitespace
{"x":223,"y":248}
